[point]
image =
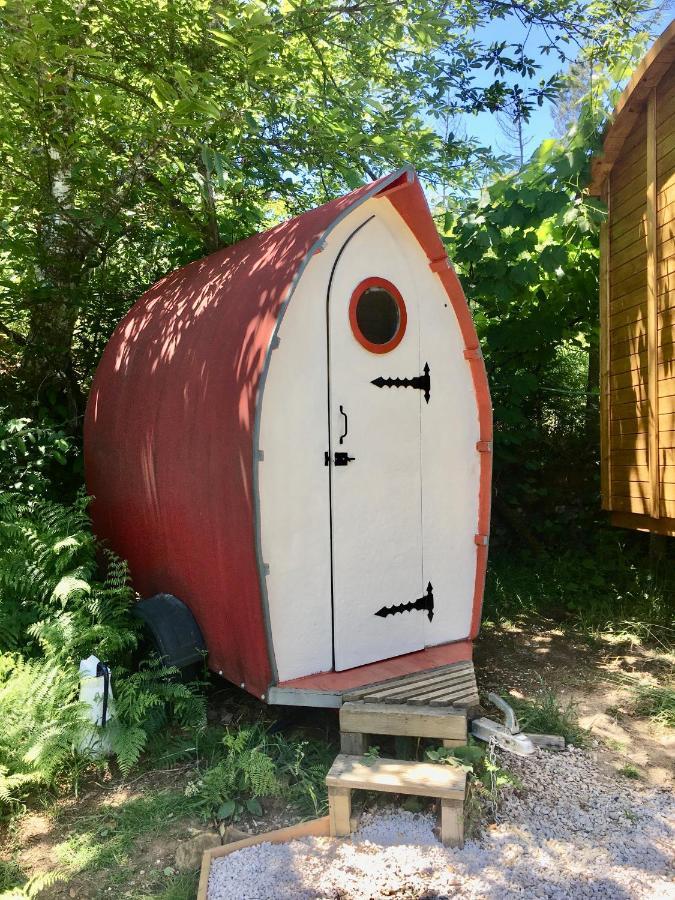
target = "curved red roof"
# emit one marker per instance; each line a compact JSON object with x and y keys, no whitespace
{"x":169,"y":426}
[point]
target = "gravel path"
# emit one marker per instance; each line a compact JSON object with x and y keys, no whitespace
{"x":576,"y":831}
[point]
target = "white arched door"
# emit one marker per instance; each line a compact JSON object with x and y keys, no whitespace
{"x":377,"y":384}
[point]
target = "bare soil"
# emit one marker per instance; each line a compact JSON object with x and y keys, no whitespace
{"x":593,"y":673}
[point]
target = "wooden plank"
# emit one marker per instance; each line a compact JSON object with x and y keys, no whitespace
{"x":630,"y":442}
{"x":626,"y":191}
{"x":665,"y":227}
{"x":630,"y":505}
{"x":465,"y":701}
{"x":665,"y":108}
{"x":340,"y":810}
{"x":400,"y":719}
{"x":315,"y":828}
{"x":666,"y":391}
{"x":449,"y":692}
{"x":401,"y":681}
{"x":637,"y":393}
{"x":665,"y":141}
{"x":626,"y":379}
{"x":630,"y":458}
{"x":630,"y":208}
{"x":631,"y":222}
{"x":627,"y":285}
{"x":664,"y":525}
{"x":626,"y":299}
{"x":665,"y":209}
{"x":667,"y":439}
{"x":452,"y":823}
{"x":623,"y":474}
{"x":666,"y":164}
{"x":638,"y":470}
{"x":628,"y":426}
{"x":634,"y":249}
{"x":628,"y":316}
{"x":632,"y":362}
{"x":665,"y":197}
{"x":652,"y":317}
{"x":634,"y":343}
{"x":353,"y":743}
{"x":398,"y":777}
{"x":632,"y":489}
{"x":642,"y":409}
{"x":399,"y":690}
{"x":665,"y":265}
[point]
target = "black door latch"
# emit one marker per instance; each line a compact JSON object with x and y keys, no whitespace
{"x":341,"y":458}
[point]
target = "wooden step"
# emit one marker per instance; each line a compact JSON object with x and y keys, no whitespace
{"x":397,"y":776}
{"x":360,"y":720}
{"x":447,"y":783}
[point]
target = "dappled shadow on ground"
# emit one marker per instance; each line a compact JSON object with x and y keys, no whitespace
{"x":597,"y":674}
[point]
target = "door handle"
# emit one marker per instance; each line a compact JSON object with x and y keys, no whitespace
{"x":343,"y":436}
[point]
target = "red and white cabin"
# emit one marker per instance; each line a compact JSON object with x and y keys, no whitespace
{"x":293,"y":436}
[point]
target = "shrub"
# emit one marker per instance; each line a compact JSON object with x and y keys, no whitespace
{"x":256,"y":764}
{"x":56,"y":609}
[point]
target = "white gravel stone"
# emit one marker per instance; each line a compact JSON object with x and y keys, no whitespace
{"x":574,"y":831}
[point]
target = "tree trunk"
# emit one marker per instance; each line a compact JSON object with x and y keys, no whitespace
{"x":47,"y":369}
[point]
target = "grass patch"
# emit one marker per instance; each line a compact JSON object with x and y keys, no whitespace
{"x":656,"y":702}
{"x":629,"y":771}
{"x":605,"y":588}
{"x":544,"y":714}
{"x":11,"y":875}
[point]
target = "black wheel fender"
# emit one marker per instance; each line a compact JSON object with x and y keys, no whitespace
{"x":174,"y":630}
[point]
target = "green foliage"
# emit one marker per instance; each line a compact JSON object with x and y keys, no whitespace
{"x":657,"y":702}
{"x":56,"y":610}
{"x":137,"y":136}
{"x":32,"y":454}
{"x":527,"y":252}
{"x":255,"y":765}
{"x":629,"y":771}
{"x":475,"y":760}
{"x":544,"y":714}
{"x":604,"y":585}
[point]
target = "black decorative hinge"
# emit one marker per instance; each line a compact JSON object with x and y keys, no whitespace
{"x":426,"y":603}
{"x":421,"y":382}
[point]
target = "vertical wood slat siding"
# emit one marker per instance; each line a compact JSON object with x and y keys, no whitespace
{"x":624,"y":315}
{"x":652,"y":310}
{"x":665,"y":186}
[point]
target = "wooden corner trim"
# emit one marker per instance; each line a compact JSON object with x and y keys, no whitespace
{"x":652,"y":310}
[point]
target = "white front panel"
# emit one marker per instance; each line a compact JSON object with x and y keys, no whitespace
{"x":376,"y":498}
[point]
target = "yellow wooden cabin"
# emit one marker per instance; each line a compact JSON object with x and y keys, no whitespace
{"x":636,"y":177}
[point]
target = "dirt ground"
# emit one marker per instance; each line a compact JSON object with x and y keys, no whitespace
{"x":596,"y":675}
{"x":103,"y":851}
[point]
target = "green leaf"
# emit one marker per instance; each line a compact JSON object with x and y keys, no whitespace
{"x":254,"y":807}
{"x":226,"y":809}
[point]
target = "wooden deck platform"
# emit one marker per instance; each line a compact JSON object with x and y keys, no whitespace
{"x":452,"y":685}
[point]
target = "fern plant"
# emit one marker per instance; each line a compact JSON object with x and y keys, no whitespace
{"x":56,"y":608}
{"x":257,"y":765}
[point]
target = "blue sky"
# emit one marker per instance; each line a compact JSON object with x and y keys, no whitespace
{"x":541,"y":125}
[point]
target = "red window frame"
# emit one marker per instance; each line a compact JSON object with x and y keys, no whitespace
{"x":359,"y":291}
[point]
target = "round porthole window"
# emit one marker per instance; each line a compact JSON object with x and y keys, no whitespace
{"x":377,"y":315}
